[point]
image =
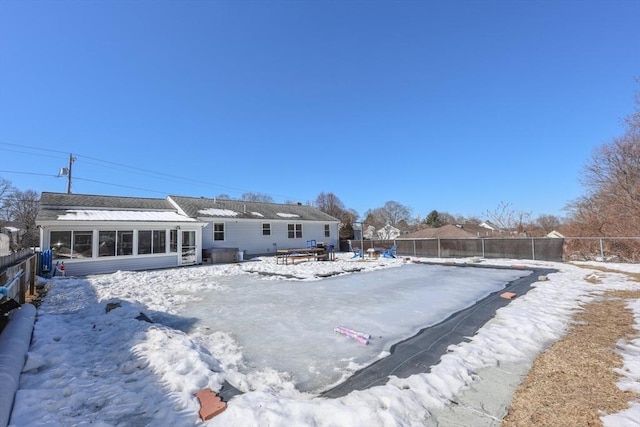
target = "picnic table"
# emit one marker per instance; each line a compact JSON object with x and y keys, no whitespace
{"x":317,"y":253}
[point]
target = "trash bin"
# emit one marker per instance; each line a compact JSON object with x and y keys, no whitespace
{"x":240,"y":256}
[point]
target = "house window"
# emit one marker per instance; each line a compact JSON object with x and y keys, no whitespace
{"x":159,"y":242}
{"x":144,"y":242}
{"x":294,"y":231}
{"x":107,"y":243}
{"x":125,"y":243}
{"x":61,"y":244}
{"x":71,"y":244}
{"x":266,"y":229}
{"x":82,"y":244}
{"x":112,"y":243}
{"x":218,"y":231}
{"x":152,"y":242}
{"x":327,"y":230}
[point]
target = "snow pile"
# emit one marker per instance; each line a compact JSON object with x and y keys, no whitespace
{"x":96,"y":359}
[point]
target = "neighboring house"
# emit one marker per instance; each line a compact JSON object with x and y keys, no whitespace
{"x":369,"y":232}
{"x":555,"y":234}
{"x":14,"y":231}
{"x":258,"y":228}
{"x":388,"y":232}
{"x":479,"y":230}
{"x":489,"y":225}
{"x":102,"y":234}
{"x":449,"y":231}
{"x":4,"y":245}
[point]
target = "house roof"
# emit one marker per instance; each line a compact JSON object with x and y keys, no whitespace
{"x":488,"y":224}
{"x":479,"y":230}
{"x":390,"y":227}
{"x":555,"y":234}
{"x":86,"y":207}
{"x":450,"y":231}
{"x":239,"y":209}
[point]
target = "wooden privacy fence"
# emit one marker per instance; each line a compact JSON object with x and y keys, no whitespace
{"x":21,"y":266}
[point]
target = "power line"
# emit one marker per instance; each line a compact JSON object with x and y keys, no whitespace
{"x":131,"y":169}
{"x":34,"y":148}
{"x":84,"y":179}
{"x":128,"y":168}
{"x":26,"y":152}
{"x":28,"y":173}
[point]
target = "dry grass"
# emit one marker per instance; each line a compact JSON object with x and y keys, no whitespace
{"x":573,"y":383}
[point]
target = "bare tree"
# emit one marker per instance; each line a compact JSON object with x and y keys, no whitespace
{"x":508,"y":219}
{"x":392,"y":213}
{"x":395,"y":212}
{"x":446,"y":218}
{"x":611,"y":207}
{"x":349,"y":217}
{"x":6,"y":190}
{"x":548,"y":223}
{"x":23,"y":208}
{"x":330,"y":204}
{"x":375,"y":218}
{"x":461,"y":219}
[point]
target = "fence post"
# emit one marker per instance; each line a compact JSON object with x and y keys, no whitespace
{"x":533,"y":249}
{"x":32,"y":276}
{"x":601,"y":250}
{"x":22,"y":285}
{"x":414,"y":248}
{"x":439,"y":248}
{"x":482,"y":248}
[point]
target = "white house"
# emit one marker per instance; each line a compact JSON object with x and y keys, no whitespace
{"x":388,"y":232}
{"x":489,"y":225}
{"x":4,"y":245}
{"x":101,"y":234}
{"x":555,"y":234}
{"x":257,"y":228}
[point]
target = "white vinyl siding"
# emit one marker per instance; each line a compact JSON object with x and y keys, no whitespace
{"x":246,"y":235}
{"x":106,"y":248}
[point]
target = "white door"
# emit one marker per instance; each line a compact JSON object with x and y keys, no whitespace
{"x":189,"y":247}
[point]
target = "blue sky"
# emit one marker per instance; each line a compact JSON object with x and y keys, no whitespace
{"x":457,"y":106}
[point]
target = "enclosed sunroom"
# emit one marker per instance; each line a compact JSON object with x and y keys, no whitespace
{"x":102,"y":234}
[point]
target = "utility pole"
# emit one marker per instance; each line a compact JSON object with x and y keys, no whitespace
{"x":71,"y":160}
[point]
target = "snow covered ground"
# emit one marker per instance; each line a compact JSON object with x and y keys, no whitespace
{"x":90,"y":366}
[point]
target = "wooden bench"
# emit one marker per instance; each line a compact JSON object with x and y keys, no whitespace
{"x":294,"y":257}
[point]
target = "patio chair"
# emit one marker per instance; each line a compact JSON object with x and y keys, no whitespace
{"x":357,"y":253}
{"x":390,"y":253}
